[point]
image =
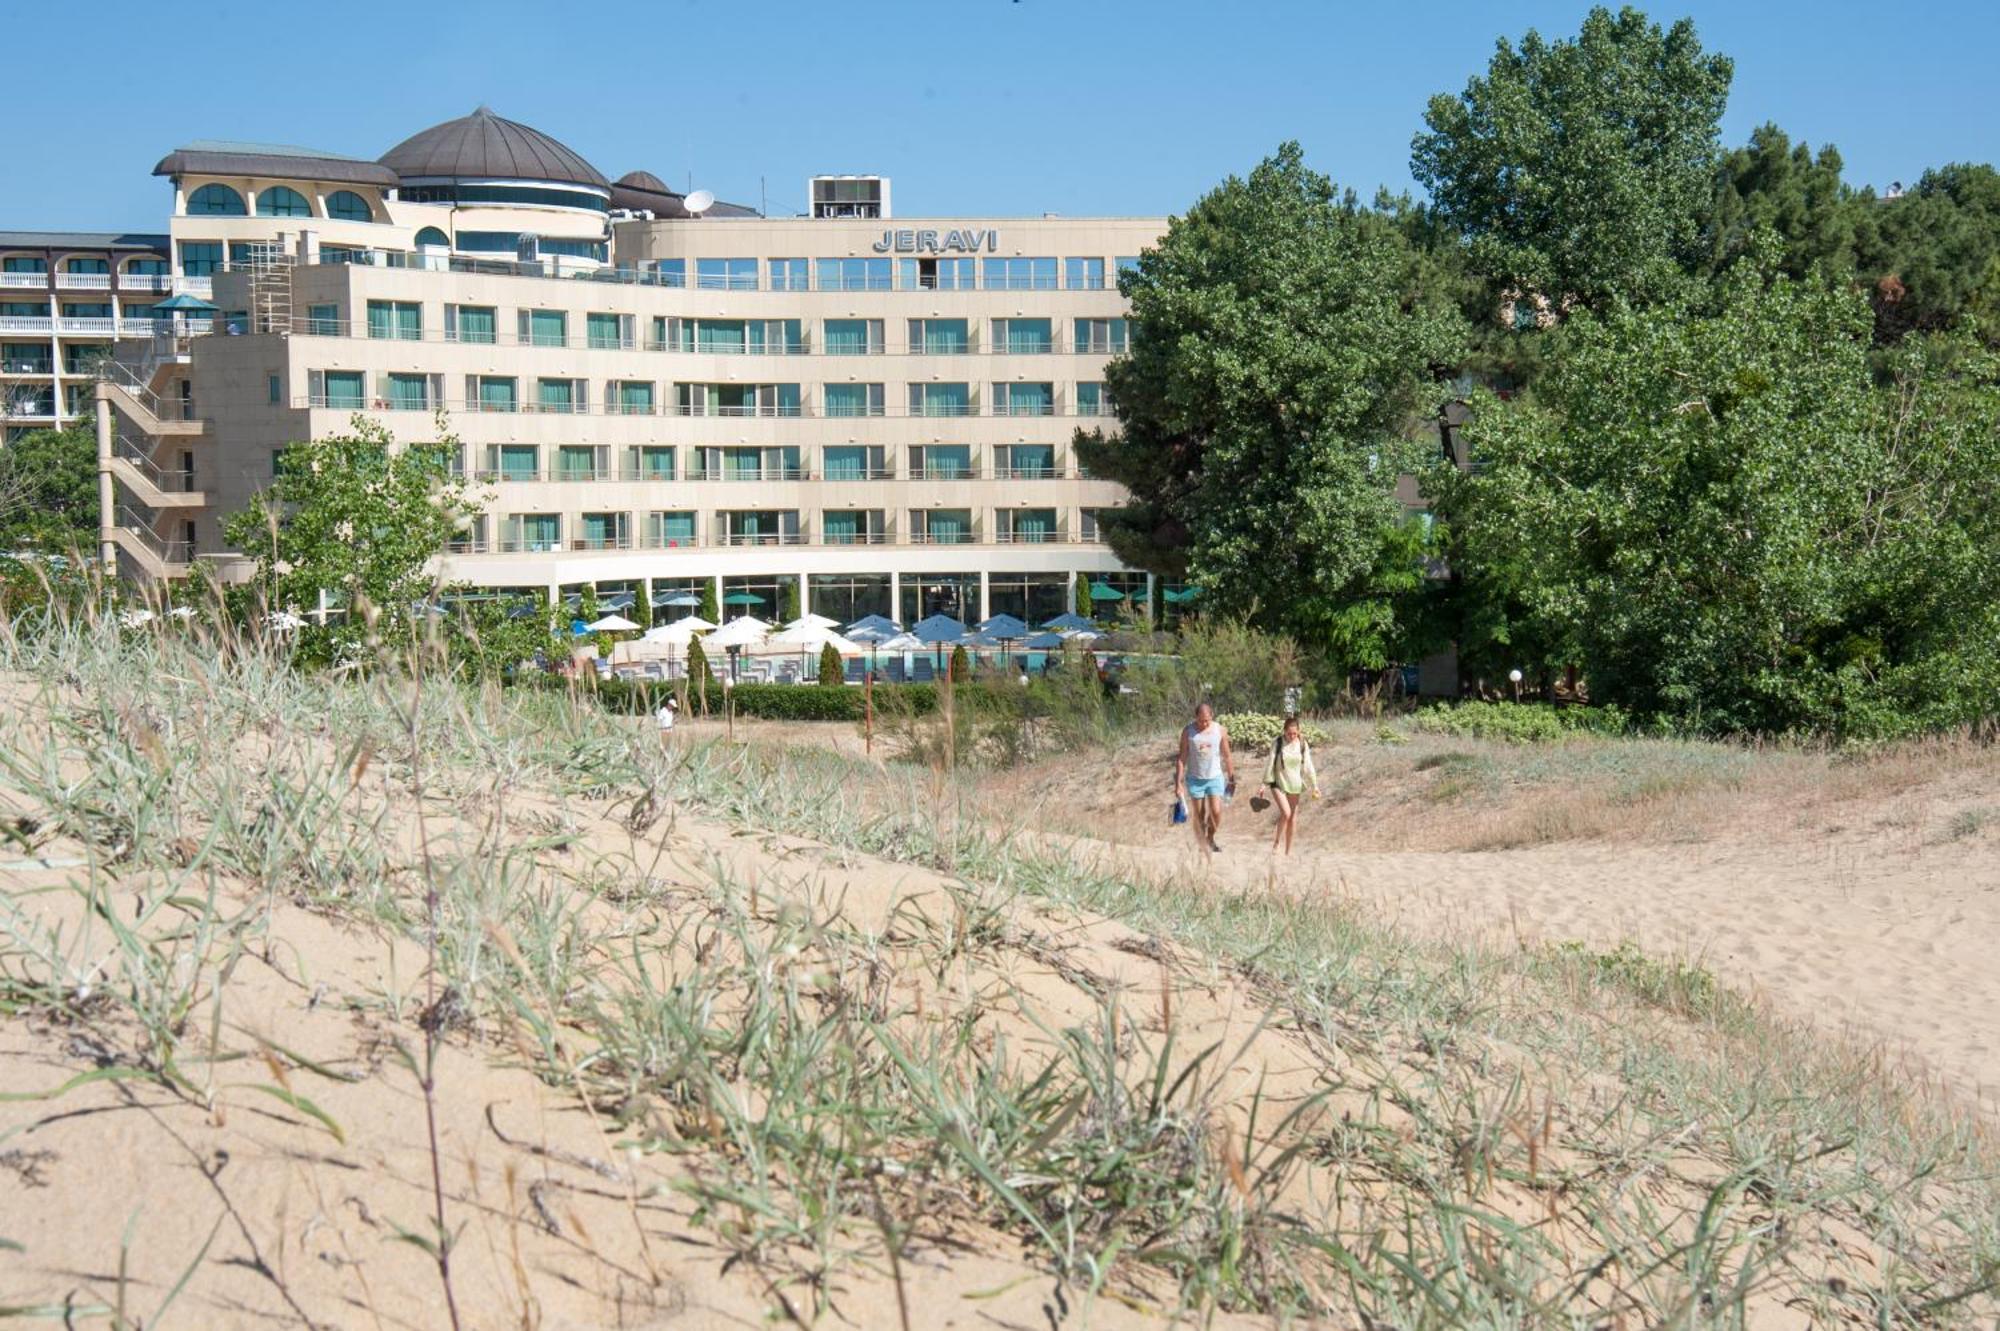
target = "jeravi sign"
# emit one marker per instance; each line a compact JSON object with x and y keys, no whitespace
{"x":938,"y":242}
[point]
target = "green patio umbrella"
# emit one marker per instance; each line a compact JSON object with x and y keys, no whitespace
{"x":1102,"y":592}
{"x":743,"y":598}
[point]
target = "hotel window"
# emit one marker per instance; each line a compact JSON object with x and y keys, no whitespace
{"x":748,"y":463}
{"x":1024,"y":399}
{"x":337,"y":388}
{"x":1024,"y":526}
{"x":725,"y":274}
{"x":940,"y":337}
{"x":725,"y":337}
{"x":670,"y":272}
{"x":789,"y":275}
{"x":1126,"y":263}
{"x":146,"y":267}
{"x":941,"y":526}
{"x":132,"y":310}
{"x":347,"y":206}
{"x":854,"y":274}
{"x":940,"y":399}
{"x":432,"y":238}
{"x":84,"y":358}
{"x":470,"y":323}
{"x":1083,"y":274}
{"x":1092,"y":400}
{"x":396,"y":320}
{"x":281,"y":201}
{"x":408,"y":392}
{"x":26,"y":358}
{"x":1020,"y":274}
{"x":16,"y":263}
{"x":533,"y":532}
{"x":514,"y":462}
{"x":200,"y":258}
{"x":321,"y":320}
{"x":852,"y":526}
{"x":941,"y":462}
{"x":273,"y":389}
{"x":1028,"y":461}
{"x":23,"y":309}
{"x":1089,"y":528}
{"x":582,"y":462}
{"x":852,"y":462}
{"x":853,"y":399}
{"x":1102,"y":337}
{"x":1023,"y":337}
{"x":738,"y":399}
{"x":559,"y":397}
{"x":669,"y":530}
{"x":649,"y":462}
{"x":93,"y":267}
{"x":760,"y":526}
{"x":91,"y":309}
{"x":629,"y":397}
{"x":611,"y":331}
{"x":935,"y":274}
{"x":852,"y":337}
{"x":215,"y":201}
{"x":498,"y":393}
{"x":544,"y":328}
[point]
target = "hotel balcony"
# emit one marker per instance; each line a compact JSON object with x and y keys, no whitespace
{"x":83,"y":281}
{"x":156,"y":283}
{"x":24,"y":281}
{"x":41,"y":368}
{"x":27,"y":323}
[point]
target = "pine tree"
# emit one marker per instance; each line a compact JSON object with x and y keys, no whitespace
{"x":830,"y":669}
{"x":697,"y":673}
{"x":642,"y":607}
{"x":1080,"y":595}
{"x":708,"y":609}
{"x":961,"y":665}
{"x":788,"y":600}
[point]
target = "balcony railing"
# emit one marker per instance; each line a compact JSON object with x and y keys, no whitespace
{"x":1013,"y":346}
{"x":618,"y":542}
{"x":154,"y":282}
{"x":967,"y":537}
{"x":28,"y":409}
{"x":179,"y":481}
{"x":1100,"y":346}
{"x":689,"y":409}
{"x":101,"y":326}
{"x":763,"y":538}
{"x":27,"y":323}
{"x":1044,"y":536}
{"x":1028,"y":473}
{"x":855,"y":538}
{"x":83,"y":281}
{"x":19,"y":365}
{"x":858,"y":474}
{"x":583,"y":407}
{"x":24,"y":281}
{"x":749,"y":474}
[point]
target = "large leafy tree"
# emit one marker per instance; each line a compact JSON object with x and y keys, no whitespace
{"x":1280,"y":347}
{"x":1932,"y":253}
{"x":1579,"y":170}
{"x":1734,"y":524}
{"x":359,"y":517}
{"x":48,"y":492}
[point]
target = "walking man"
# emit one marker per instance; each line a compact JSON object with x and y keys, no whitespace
{"x":1205,"y":771}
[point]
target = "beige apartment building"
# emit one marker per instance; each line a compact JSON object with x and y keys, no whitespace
{"x":650,"y":391}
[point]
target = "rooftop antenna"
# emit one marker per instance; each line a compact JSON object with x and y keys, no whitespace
{"x":698,"y":202}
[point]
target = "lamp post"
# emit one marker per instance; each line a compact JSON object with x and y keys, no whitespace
{"x":1514,"y":677}
{"x":729,"y":701}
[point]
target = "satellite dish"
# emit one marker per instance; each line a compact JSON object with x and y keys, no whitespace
{"x":699,"y":202}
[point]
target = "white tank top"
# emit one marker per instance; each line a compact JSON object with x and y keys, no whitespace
{"x":1204,"y":752}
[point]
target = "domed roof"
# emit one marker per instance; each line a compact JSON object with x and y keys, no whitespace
{"x":644,"y":180}
{"x":483,"y":146}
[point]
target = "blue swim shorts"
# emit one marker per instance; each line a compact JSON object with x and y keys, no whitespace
{"x":1210,"y":789}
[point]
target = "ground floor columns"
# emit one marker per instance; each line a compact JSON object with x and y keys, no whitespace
{"x":985,"y":596}
{"x":895,"y":594}
{"x":107,"y":513}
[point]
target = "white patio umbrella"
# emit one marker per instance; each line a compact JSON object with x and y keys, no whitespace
{"x":679,"y":633}
{"x":743,"y":631}
{"x":611,"y":624}
{"x":812,"y":637}
{"x":819,"y":620}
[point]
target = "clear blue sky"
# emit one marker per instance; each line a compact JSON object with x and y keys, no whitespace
{"x":975,"y":107}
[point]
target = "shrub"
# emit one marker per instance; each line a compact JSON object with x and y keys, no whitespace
{"x":961,"y":666}
{"x":1520,"y":723}
{"x":697,"y":676}
{"x":831,"y":671}
{"x":1259,"y":730}
{"x":790,"y":702}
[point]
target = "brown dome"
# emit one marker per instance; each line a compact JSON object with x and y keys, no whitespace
{"x":483,"y":146}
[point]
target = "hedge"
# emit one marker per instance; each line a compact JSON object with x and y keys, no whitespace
{"x":1259,"y":730}
{"x":774,"y":702}
{"x":1520,"y":722}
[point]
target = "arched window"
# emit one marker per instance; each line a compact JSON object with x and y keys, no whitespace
{"x":348,"y":206}
{"x":430,"y":235}
{"x":215,"y":201}
{"x":281,"y":201}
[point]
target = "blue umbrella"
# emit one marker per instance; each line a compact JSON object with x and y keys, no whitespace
{"x":939,"y":629}
{"x":1061,"y":622}
{"x":868,"y":633}
{"x":882,"y":623}
{"x":1045,"y":642}
{"x":1004,"y":627}
{"x":679,"y":598}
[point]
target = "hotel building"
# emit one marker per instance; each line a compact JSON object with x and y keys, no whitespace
{"x":650,"y":391}
{"x":65,"y":298}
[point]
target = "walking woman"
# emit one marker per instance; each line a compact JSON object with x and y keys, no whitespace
{"x":1289,"y":776}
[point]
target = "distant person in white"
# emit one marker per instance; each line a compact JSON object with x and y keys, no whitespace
{"x":668,"y":711}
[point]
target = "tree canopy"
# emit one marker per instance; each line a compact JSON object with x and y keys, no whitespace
{"x":1578,"y":170}
{"x":1280,"y":349}
{"x":1736,"y":526}
{"x":48,"y":492}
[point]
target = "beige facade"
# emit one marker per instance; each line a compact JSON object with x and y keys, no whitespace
{"x":65,"y":300}
{"x":837,"y":403}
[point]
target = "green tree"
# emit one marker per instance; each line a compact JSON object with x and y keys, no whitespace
{"x":1929,"y":255}
{"x":1775,"y":185}
{"x":1577,"y":170}
{"x":697,"y":674}
{"x":360,"y":518}
{"x":831,"y":672}
{"x":709,"y":609}
{"x":1079,"y":595}
{"x":48,"y":492}
{"x":1736,"y":527}
{"x":642,"y":607}
{"x":961,"y":665}
{"x":1280,"y":351}
{"x":788,"y":600}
